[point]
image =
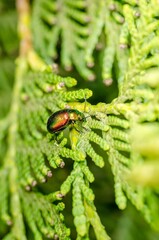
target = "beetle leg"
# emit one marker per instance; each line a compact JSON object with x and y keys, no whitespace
{"x":77,"y":130}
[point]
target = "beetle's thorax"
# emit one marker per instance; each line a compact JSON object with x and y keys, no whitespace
{"x":73,"y":116}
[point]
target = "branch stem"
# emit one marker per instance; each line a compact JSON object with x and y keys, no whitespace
{"x":18,"y":229}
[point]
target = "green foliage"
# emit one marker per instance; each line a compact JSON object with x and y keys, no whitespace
{"x":79,"y":25}
{"x":8,"y":47}
{"x":124,"y":132}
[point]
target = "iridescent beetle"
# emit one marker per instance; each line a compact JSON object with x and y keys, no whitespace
{"x":60,"y":120}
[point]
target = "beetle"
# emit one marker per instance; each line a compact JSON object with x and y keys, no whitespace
{"x":61,"y":119}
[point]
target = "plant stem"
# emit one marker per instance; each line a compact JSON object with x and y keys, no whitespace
{"x":95,"y":222}
{"x":18,"y":229}
{"x":24,"y":27}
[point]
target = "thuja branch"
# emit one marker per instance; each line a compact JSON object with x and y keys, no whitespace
{"x":25,"y":44}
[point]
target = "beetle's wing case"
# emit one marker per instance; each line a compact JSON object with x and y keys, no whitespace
{"x":58,"y":121}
